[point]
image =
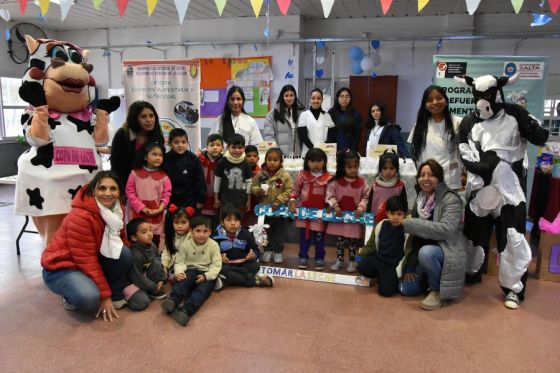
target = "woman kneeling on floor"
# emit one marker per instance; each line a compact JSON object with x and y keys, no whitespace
{"x":436,"y":251}
{"x":87,"y":261}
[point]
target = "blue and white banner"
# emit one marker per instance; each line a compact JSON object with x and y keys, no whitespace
{"x":529,"y":91}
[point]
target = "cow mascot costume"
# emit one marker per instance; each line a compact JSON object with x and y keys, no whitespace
{"x":493,"y":146}
{"x":63,"y":157}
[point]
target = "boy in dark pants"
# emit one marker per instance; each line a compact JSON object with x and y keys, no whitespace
{"x":185,"y":172}
{"x":239,"y":251}
{"x":384,"y":250}
{"x":199,"y":259}
{"x":146,"y":274}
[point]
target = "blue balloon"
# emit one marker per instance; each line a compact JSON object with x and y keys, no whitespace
{"x":375,"y":44}
{"x":320,"y":44}
{"x":319,"y":73}
{"x":357,"y":68}
{"x":540,"y":20}
{"x":356,"y":53}
{"x":374,"y":74}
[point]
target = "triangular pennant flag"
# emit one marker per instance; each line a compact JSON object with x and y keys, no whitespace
{"x":257,"y":5}
{"x":327,"y":7}
{"x":284,"y":5}
{"x":182,"y":6}
{"x":472,"y":5}
{"x":517,"y":4}
{"x":5,"y":14}
{"x":385,"y":5}
{"x":422,"y":4}
{"x":65,"y":6}
{"x":97,"y":4}
{"x":22,"y":6}
{"x":44,"y":4}
{"x":554,"y":4}
{"x":151,"y":5}
{"x":220,"y":4}
{"x":122,"y":4}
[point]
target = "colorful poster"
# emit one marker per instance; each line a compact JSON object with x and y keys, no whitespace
{"x":173,"y":87}
{"x":252,"y":74}
{"x":529,"y":91}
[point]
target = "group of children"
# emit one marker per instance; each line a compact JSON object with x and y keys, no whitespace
{"x":202,"y":203}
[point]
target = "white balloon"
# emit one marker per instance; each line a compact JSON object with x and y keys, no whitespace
{"x":367,"y":63}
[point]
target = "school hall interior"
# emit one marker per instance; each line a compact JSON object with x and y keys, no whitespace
{"x":298,"y":325}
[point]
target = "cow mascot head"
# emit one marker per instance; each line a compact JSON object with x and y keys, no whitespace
{"x":59,"y":88}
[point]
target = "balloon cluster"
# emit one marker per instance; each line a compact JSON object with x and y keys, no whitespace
{"x":321,"y":54}
{"x":362,"y":62}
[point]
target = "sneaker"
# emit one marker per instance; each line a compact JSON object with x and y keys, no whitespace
{"x":512,"y":301}
{"x":68,"y":306}
{"x":118,"y":304}
{"x":302,"y":263}
{"x":278,"y":258}
{"x":180,"y":315}
{"x":337,"y":266}
{"x":161,"y":295}
{"x":432,"y":301}
{"x":319,"y":264}
{"x":266,"y":257}
{"x":351,"y":267}
{"x":219,"y":284}
{"x":264,"y":281}
{"x":168,"y":305}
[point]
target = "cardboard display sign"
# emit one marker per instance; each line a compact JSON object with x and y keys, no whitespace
{"x":548,"y":263}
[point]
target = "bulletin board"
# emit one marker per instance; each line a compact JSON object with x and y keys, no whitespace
{"x":252,"y":74}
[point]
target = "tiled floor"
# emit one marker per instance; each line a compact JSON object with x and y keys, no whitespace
{"x":297,"y":326}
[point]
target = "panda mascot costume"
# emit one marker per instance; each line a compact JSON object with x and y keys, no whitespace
{"x":493,"y":147}
{"x":57,"y":125}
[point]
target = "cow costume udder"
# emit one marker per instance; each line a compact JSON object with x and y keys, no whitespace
{"x":63,"y":157}
{"x":493,"y":147}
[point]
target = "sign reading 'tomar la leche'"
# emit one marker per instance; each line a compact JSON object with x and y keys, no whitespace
{"x":299,"y":274}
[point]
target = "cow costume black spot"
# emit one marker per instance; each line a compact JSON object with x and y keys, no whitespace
{"x":493,"y":147}
{"x":59,"y":88}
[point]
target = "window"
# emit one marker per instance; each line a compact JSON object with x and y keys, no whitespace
{"x":552,"y":116}
{"x":12,"y":106}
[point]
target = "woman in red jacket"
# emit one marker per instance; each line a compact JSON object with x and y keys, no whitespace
{"x":87,"y":260}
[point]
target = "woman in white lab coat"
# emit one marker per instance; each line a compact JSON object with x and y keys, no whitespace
{"x":314,"y":123}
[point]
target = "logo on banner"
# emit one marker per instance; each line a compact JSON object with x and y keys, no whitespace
{"x":526,"y":70}
{"x":450,"y":69}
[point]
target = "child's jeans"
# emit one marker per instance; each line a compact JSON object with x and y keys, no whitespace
{"x":192,"y":295}
{"x":80,"y":291}
{"x":430,"y":264}
{"x":318,"y":239}
{"x":240,"y":274}
{"x":275,"y":234}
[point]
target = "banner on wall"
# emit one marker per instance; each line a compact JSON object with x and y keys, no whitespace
{"x":173,"y":87}
{"x":529,"y":91}
{"x":252,"y":74}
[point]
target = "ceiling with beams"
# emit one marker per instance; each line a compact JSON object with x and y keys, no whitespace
{"x":83,"y":15}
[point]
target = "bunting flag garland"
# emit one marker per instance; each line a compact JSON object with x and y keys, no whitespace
{"x":220,"y":4}
{"x":327,"y":7}
{"x":472,"y":5}
{"x":284,"y":5}
{"x":151,"y":5}
{"x":97,"y":4}
{"x":517,"y":4}
{"x":44,"y":4}
{"x":122,"y":4}
{"x":554,"y":4}
{"x":65,"y":6}
{"x":182,"y":6}
{"x":385,"y":5}
{"x":257,"y":5}
{"x":22,"y":6}
{"x":422,"y":4}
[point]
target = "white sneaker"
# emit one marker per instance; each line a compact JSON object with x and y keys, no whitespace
{"x":218,"y":285}
{"x":265,"y":258}
{"x":337,"y":266}
{"x":118,"y":304}
{"x":351,"y":267}
{"x":68,"y":306}
{"x":512,"y":301}
{"x":278,"y":258}
{"x":432,"y":301}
